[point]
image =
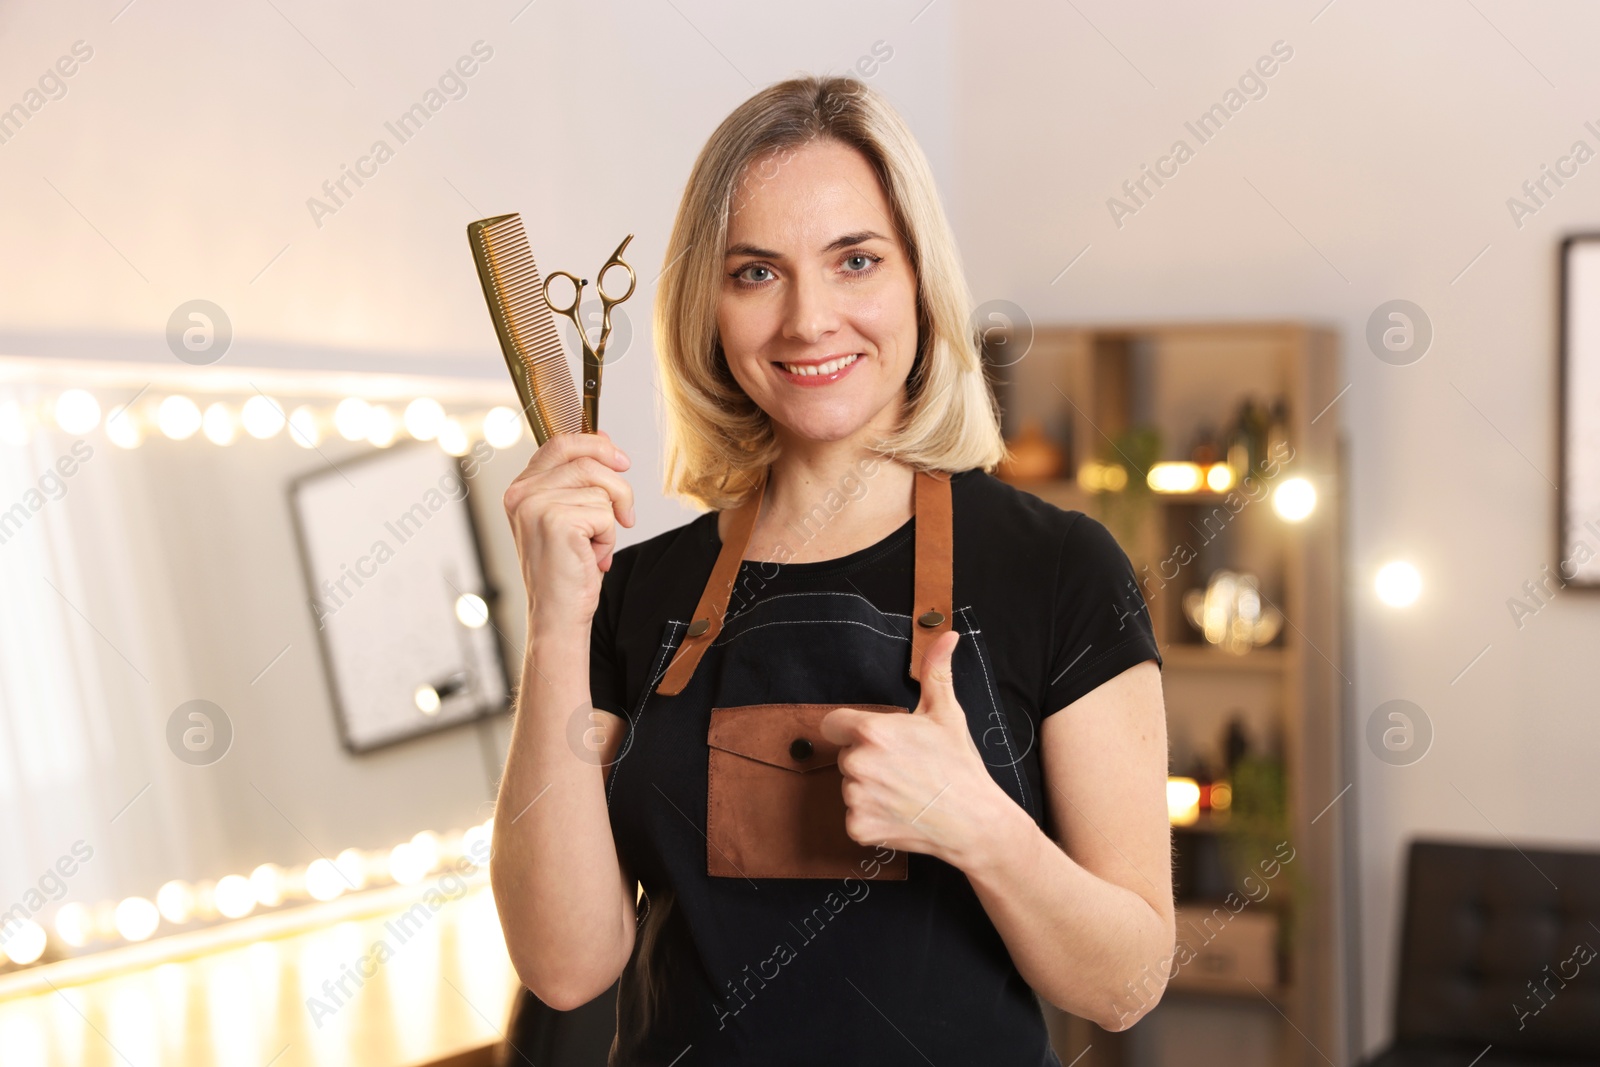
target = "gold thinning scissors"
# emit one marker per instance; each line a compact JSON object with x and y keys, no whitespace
{"x":593,"y":355}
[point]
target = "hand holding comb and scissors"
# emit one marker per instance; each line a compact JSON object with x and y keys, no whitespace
{"x":520,"y":307}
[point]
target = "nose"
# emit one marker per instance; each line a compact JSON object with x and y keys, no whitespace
{"x":810,"y":314}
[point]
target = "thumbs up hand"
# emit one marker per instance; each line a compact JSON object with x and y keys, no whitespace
{"x":917,"y":782}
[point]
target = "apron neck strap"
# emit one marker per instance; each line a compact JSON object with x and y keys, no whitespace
{"x":932,"y":593}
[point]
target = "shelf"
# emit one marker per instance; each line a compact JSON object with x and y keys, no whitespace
{"x":1206,"y":658}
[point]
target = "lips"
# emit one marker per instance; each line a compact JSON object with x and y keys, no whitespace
{"x":818,"y":372}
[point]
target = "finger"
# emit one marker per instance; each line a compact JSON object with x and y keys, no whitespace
{"x":840,"y":725}
{"x":938,"y":679}
{"x":565,"y":447}
{"x":593,"y":472}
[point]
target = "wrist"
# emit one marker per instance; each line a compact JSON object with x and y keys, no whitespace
{"x":1001,"y":832}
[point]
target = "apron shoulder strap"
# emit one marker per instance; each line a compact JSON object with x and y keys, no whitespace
{"x":931,"y":597}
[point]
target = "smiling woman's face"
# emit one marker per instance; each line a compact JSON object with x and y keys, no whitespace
{"x":818,"y":305}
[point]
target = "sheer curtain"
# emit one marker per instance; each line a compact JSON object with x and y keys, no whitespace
{"x":88,"y":672}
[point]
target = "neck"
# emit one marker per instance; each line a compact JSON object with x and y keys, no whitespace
{"x":826,"y":498}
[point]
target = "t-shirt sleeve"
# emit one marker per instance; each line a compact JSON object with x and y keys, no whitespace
{"x":607,"y":679}
{"x":1101,"y":624}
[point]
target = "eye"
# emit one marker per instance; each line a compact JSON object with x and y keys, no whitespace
{"x":868,"y":262}
{"x":740,"y":274}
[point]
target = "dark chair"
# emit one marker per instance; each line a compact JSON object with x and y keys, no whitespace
{"x":1500,"y":950}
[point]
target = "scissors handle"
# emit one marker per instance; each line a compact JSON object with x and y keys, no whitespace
{"x":571,"y":310}
{"x":616,"y":260}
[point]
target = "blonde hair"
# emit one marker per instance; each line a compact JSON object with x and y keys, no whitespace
{"x":718,"y":441}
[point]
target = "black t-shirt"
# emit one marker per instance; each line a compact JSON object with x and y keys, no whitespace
{"x":1056,"y":596}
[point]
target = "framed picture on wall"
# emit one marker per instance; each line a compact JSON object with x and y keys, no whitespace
{"x":1578,"y":516}
{"x":397,"y":592}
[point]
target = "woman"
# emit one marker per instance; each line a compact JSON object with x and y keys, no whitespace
{"x":874,"y":751}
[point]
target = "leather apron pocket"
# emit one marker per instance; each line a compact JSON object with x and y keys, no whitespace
{"x":774,"y":808}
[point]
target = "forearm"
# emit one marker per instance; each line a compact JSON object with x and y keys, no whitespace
{"x":1086,"y":945}
{"x":556,"y":876}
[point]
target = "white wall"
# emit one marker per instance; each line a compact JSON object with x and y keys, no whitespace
{"x":189,"y":144}
{"x":1390,"y":141}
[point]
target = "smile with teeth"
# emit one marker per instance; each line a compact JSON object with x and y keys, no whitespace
{"x":821,"y":368}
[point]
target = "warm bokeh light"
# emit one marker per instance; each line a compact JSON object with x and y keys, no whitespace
{"x":75,"y":924}
{"x":267,"y":882}
{"x":426,"y":698}
{"x":502,"y":427}
{"x":426,"y":842}
{"x":453,"y":438}
{"x":406,"y":865}
{"x":1102,"y":477}
{"x":136,"y":919}
{"x":323,"y":881}
{"x":471,"y":611}
{"x":218,"y":424}
{"x":352,"y":868}
{"x":303,"y":427}
{"x":424,"y":418}
{"x":1398,"y":584}
{"x":175,"y":901}
{"x":1294,"y":499}
{"x":381,"y":426}
{"x":262,"y":417}
{"x":1183,"y":801}
{"x":178,"y":417}
{"x":1220,"y":477}
{"x":25,"y":941}
{"x":1175,"y":477}
{"x":352,"y":418}
{"x":235,"y":896}
{"x":122,"y":427}
{"x":77,"y":411}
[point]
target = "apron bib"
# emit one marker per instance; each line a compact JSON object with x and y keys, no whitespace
{"x":769,"y":936}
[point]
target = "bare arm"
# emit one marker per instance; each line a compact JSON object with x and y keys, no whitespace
{"x":566,"y":903}
{"x":1089,"y":921}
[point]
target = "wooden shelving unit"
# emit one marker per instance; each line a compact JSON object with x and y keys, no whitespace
{"x":1090,"y":384}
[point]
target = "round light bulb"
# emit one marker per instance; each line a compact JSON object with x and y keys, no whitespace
{"x":175,"y":901}
{"x":75,"y":924}
{"x":303,"y":427}
{"x":352,"y":417}
{"x":136,"y":918}
{"x":262,"y":417}
{"x":426,"y":698}
{"x":218,"y":424}
{"x":77,"y":411}
{"x":502,"y":427}
{"x":122,"y":426}
{"x":235,"y":896}
{"x":471,"y":610}
{"x":424,"y":418}
{"x":426,"y":842}
{"x":453,"y":438}
{"x":406,"y":866}
{"x":1398,"y":584}
{"x":267,"y":882}
{"x":1294,"y":499}
{"x":25,"y":941}
{"x":352,"y":868}
{"x":179,"y":417}
{"x":323,"y":880}
{"x":381,"y":427}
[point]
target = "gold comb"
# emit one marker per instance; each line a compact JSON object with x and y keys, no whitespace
{"x":527,"y":332}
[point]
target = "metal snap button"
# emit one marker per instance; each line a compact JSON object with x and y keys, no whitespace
{"x":698,"y":627}
{"x":800,"y":749}
{"x":930,"y":619}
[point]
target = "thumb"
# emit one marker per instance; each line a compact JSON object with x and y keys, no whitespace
{"x":938,"y":680}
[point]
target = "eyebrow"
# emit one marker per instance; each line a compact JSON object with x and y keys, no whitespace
{"x":835,"y":245}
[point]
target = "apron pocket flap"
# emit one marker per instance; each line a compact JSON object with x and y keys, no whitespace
{"x":788,"y":736}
